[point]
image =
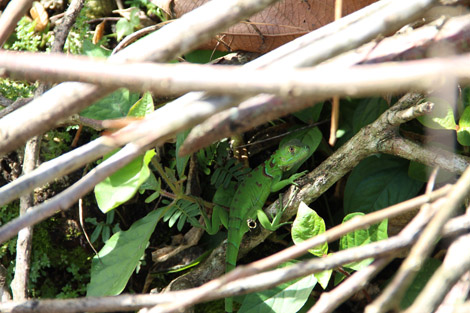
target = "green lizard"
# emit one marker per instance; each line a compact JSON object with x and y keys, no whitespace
{"x":249,"y":199}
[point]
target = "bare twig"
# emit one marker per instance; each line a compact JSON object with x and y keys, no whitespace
{"x":61,"y":31}
{"x":169,"y":79}
{"x":391,"y":296}
{"x":19,"y":284}
{"x":456,"y":263}
{"x":14,"y":11}
{"x":134,"y":302}
{"x":330,"y":300}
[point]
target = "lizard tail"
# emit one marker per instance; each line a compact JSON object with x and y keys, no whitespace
{"x":233,"y":245}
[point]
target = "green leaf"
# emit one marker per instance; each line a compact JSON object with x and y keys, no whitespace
{"x":203,"y":56}
{"x":441,"y":117}
{"x":287,"y":297}
{"x":96,"y":233}
{"x":378,"y":182}
{"x":463,"y":132}
{"x":421,"y":172}
{"x":134,"y":17}
{"x":465,"y":96}
{"x":142,"y":107}
{"x":123,"y":184}
{"x":116,"y":261}
{"x":181,"y":161}
{"x":123,"y":28}
{"x":150,"y":184}
{"x":95,"y":51}
{"x":115,"y":105}
{"x":345,"y":127}
{"x":367,"y":112}
{"x":323,"y":278}
{"x":362,"y":237}
{"x":311,"y":114}
{"x":420,"y":281}
{"x":308,"y":224}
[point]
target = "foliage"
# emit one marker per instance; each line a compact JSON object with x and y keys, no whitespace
{"x":444,"y":117}
{"x":124,"y":184}
{"x":25,"y":38}
{"x":105,"y":229}
{"x":180,"y":212}
{"x":79,"y":34}
{"x":287,"y":297}
{"x":125,"y":26}
{"x":12,"y":89}
{"x":56,"y":270}
{"x":54,"y":143}
{"x":115,"y":263}
{"x":362,"y":237}
{"x":149,"y":7}
{"x":378,"y":182}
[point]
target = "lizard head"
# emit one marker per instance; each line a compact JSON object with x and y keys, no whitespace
{"x":291,"y":153}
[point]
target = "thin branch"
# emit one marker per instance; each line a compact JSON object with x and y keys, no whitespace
{"x":170,"y":79}
{"x":19,"y":284}
{"x":456,"y":263}
{"x":63,"y":29}
{"x":68,"y":197}
{"x":135,"y":302}
{"x":391,"y":296}
{"x":330,"y":300}
{"x":14,"y":11}
{"x":57,"y":167}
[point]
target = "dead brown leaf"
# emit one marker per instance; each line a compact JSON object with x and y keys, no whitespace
{"x":272,"y":27}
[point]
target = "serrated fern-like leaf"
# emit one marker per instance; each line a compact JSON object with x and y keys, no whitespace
{"x":232,"y":170}
{"x":180,"y":212}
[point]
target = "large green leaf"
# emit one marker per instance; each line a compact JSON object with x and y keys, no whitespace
{"x":362,"y":237}
{"x":441,"y":117}
{"x":142,"y":107}
{"x":308,"y":224}
{"x":463,"y":132}
{"x":115,"y":105}
{"x":181,"y":161}
{"x":95,"y":51}
{"x":367,"y":112}
{"x":311,"y":114}
{"x":117,"y":260}
{"x":123,"y":184}
{"x":422,"y":173}
{"x":378,"y":182}
{"x":287,"y":297}
{"x":420,"y":281}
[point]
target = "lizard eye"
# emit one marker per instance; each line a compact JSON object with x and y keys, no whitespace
{"x":251,"y":223}
{"x":291,"y":149}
